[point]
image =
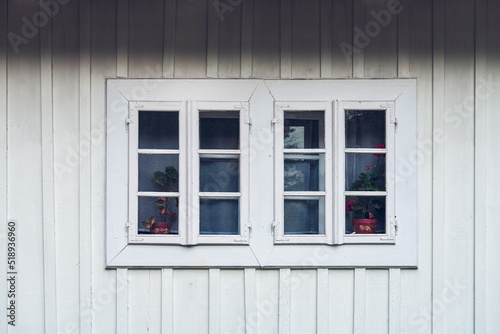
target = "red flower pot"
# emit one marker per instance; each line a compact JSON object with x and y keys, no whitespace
{"x":161,"y":228}
{"x":364,"y":226}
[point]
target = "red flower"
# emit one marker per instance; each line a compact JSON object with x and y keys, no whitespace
{"x":379,"y":154}
{"x":348,"y":205}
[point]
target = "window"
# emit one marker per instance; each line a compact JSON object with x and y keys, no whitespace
{"x":269,"y":173}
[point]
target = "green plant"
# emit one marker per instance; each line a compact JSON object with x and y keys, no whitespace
{"x":166,"y":180}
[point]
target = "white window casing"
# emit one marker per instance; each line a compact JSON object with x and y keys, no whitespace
{"x":261,"y":240}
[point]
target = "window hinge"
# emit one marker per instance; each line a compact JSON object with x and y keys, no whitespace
{"x":128,"y":225}
{"x":274,"y":226}
{"x":274,"y":121}
{"x":127,"y":123}
{"x":395,"y":227}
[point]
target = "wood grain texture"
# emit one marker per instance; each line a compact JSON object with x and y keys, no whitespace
{"x":191,"y":296}
{"x":144,"y":301}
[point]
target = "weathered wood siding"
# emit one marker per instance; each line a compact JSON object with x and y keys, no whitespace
{"x":52,"y":162}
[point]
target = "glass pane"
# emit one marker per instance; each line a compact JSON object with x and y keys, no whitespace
{"x":364,"y":128}
{"x":219,"y":216}
{"x":304,"y":172}
{"x":220,"y":130}
{"x":158,"y":130}
{"x":365,"y":172}
{"x":158,"y":210}
{"x":304,"y":129}
{"x":158,"y":172}
{"x":371,"y":209}
{"x":219,"y":175}
{"x":304,"y":216}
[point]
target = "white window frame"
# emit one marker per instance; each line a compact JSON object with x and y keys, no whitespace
{"x":262,"y":243}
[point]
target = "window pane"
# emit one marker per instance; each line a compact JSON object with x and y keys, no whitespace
{"x":158,"y":172}
{"x":158,"y":210}
{"x":364,"y":207}
{"x":365,"y":172}
{"x":219,"y":175}
{"x":158,"y":130}
{"x":219,"y":130}
{"x":304,"y":216}
{"x":304,"y":129}
{"x":219,"y":216}
{"x":304,"y":172}
{"x":364,"y":128}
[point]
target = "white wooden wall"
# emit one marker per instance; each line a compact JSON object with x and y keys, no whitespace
{"x":52,"y":164}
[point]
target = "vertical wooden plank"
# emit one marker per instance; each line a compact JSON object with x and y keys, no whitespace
{"x":286,"y":39}
{"x":191,"y":296}
{"x":169,"y":38}
{"x":167,"y":301}
{"x":359,"y":300}
{"x":145,"y":301}
{"x":306,"y":39}
{"x":232,"y":301}
{"x":343,"y":48}
{"x":377,"y":301}
{"x":303,"y":301}
{"x":230,"y":43}
{"x":403,"y":45}
{"x":341,"y":286}
{"x":285,"y":296}
{"x":67,"y":147}
{"x":122,"y":39}
{"x":247,"y":39}
{"x":191,"y":39}
{"x":122,"y":302}
{"x":381,"y":51}
{"x":322,"y":307}
{"x":25,"y":168}
{"x":359,"y":43}
{"x":326,"y":17}
{"x":250,"y":298}
{"x":85,"y":168}
{"x":266,"y":39}
{"x":102,"y":306}
{"x":214,"y":301}
{"x":266,"y":317}
{"x":416,"y":285}
{"x":145,"y":58}
{"x":3,"y":152}
{"x":213,"y":41}
{"x":394,"y":301}
{"x":49,"y":229}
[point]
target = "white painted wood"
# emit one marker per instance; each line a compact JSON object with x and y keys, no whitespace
{"x":213,"y":40}
{"x":286,"y":39}
{"x":167,"y":301}
{"x":303,"y":301}
{"x":266,"y":39}
{"x":341,"y":301}
{"x":246,"y":38}
{"x":326,"y":32}
{"x":285,"y":292}
{"x":122,"y":301}
{"x":394,"y":300}
{"x":169,"y":32}
{"x":191,"y":296}
{"x":145,"y":304}
{"x":377,"y":298}
{"x":357,"y":41}
{"x":122,"y":49}
{"x":359,"y":324}
{"x":230,"y":41}
{"x":322,"y":301}
{"x":232,"y":301}
{"x":250,"y":283}
{"x":49,"y":237}
{"x":266,"y":316}
{"x":214,"y":300}
{"x":342,"y":34}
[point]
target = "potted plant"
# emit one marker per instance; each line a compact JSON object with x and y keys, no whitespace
{"x":363,"y":207}
{"x":166,"y":180}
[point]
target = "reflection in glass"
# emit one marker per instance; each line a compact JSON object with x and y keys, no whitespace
{"x":219,"y":175}
{"x":219,"y":130}
{"x":304,"y":129}
{"x":365,"y":172}
{"x":219,"y":216}
{"x":158,"y":130}
{"x":158,"y":172}
{"x":365,"y":207}
{"x":364,"y":128}
{"x":303,"y":216}
{"x":304,"y":172}
{"x":158,"y":210}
